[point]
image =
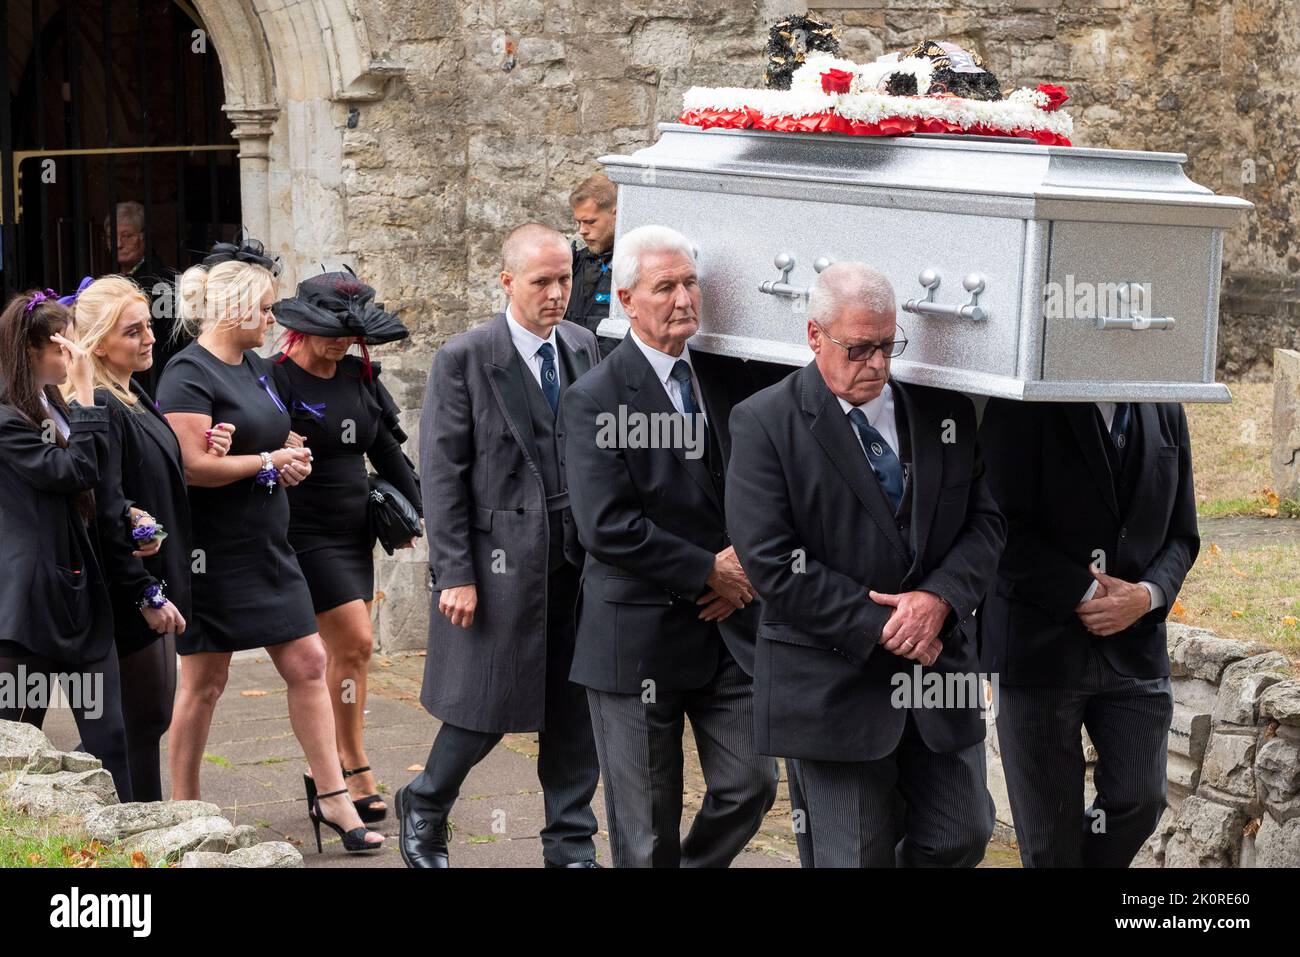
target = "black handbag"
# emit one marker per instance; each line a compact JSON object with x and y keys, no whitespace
{"x":393,"y":520}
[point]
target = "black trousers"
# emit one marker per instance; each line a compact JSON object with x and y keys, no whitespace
{"x":913,"y":808}
{"x":640,"y":747}
{"x":99,"y":721}
{"x":566,"y":760}
{"x":1039,"y":733}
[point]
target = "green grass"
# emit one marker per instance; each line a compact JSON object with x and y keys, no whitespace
{"x":1247,"y":593}
{"x":54,"y":842}
{"x":217,"y":759}
{"x":1261,"y":505}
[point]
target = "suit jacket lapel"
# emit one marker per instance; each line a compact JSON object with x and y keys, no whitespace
{"x":831,"y":427}
{"x":1082,"y":418}
{"x":575,"y":358}
{"x":649,"y":397}
{"x":927,"y":470}
{"x":508,"y":387}
{"x":717,"y":401}
{"x":1147,"y":422}
{"x":171,"y":452}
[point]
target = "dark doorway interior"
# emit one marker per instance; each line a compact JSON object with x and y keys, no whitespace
{"x":110,"y":101}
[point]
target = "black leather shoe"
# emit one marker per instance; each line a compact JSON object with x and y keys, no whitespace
{"x":591,"y":863}
{"x":422,"y":841}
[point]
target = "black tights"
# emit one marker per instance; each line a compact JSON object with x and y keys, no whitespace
{"x":99,"y":721}
{"x":148,"y":694}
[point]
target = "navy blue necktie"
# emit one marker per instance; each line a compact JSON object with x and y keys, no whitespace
{"x":681,"y":374}
{"x":550,"y":377}
{"x":889,"y":471}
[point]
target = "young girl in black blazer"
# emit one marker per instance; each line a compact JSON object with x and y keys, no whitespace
{"x":56,"y":624}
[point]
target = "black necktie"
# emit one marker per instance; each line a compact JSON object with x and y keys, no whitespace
{"x":550,"y":377}
{"x":1119,"y":426}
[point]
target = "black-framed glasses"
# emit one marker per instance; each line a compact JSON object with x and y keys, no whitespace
{"x":862,"y":351}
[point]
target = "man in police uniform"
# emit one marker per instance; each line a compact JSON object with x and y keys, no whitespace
{"x":593,"y":204}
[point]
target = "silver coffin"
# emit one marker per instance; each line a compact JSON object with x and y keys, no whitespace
{"x":1051,"y":273}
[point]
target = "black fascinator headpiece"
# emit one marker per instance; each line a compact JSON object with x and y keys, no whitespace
{"x":339,"y":304}
{"x":246,"y":251}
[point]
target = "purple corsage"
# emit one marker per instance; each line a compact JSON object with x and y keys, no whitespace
{"x":153,"y":596}
{"x":268,"y":477}
{"x":147,"y":532}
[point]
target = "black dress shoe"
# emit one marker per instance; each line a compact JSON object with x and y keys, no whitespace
{"x":591,"y":863}
{"x":422,"y":841}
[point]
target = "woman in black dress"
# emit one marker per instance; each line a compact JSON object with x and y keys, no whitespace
{"x":345,"y":415}
{"x":247,"y":590}
{"x":141,"y":489}
{"x":56,"y":624}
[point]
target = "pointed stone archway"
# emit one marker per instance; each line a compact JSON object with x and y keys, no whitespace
{"x":291,"y":68}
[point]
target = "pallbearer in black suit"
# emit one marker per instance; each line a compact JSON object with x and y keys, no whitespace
{"x":858,"y":507}
{"x":666,"y":622}
{"x":1102,"y":531}
{"x":56,"y":620}
{"x":342,"y":411}
{"x":247,"y":589}
{"x":501,"y":629}
{"x":144,"y":517}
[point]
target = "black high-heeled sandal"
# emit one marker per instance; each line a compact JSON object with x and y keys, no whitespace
{"x":353,"y":840}
{"x":366,"y":806}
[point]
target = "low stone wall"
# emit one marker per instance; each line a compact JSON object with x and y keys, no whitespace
{"x":41,"y":782}
{"x":1234,"y":758}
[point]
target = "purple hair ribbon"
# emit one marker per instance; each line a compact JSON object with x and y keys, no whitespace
{"x":38,"y":297}
{"x":72,"y":299}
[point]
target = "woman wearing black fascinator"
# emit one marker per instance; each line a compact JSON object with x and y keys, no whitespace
{"x":346,"y":416}
{"x":247,"y":590}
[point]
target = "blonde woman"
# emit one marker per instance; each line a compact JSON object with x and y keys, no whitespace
{"x":247,"y":590}
{"x":140,"y":499}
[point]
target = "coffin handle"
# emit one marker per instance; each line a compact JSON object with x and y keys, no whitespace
{"x":930,"y":279}
{"x":1129,"y":318}
{"x":1136,"y":323}
{"x":781,"y":287}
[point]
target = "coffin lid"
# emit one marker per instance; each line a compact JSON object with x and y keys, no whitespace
{"x":1000,"y":176}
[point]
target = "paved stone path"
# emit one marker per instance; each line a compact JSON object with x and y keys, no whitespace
{"x":254,"y":771}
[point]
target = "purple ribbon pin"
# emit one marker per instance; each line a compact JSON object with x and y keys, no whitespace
{"x":316,"y":411}
{"x":271,"y":392}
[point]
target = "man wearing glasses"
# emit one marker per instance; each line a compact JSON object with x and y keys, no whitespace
{"x":859,"y":511}
{"x":138,"y":262}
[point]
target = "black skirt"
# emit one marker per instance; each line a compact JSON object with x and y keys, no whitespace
{"x":247,"y":588}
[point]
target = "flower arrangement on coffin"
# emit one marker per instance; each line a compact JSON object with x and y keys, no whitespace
{"x":934,"y":87}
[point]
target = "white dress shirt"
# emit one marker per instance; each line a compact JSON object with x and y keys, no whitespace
{"x":529,"y":344}
{"x":880,"y":416}
{"x":1107,"y":410}
{"x":662,"y":364}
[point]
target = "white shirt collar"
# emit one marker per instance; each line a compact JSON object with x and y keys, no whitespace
{"x":881,"y":405}
{"x":528,"y":342}
{"x":662,"y":362}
